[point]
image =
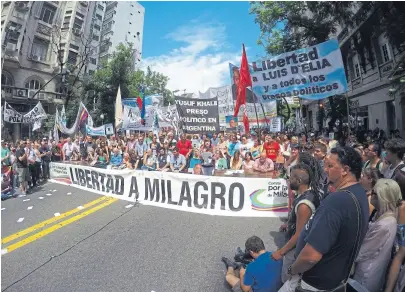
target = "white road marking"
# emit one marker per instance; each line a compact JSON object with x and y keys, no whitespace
{"x":3,"y":209}
{"x":20,"y":220}
{"x":54,"y":191}
{"x":4,"y":251}
{"x":49,"y":195}
{"x":20,"y":196}
{"x":80,"y":207}
{"x":41,"y":198}
{"x":26,"y":200}
{"x":68,"y":194}
{"x":129,"y":206}
{"x":30,"y":207}
{"x":56,"y":214}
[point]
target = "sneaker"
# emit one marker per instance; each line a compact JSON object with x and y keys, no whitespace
{"x":228,"y":263}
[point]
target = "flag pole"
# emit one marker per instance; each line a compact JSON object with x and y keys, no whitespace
{"x":257,"y":120}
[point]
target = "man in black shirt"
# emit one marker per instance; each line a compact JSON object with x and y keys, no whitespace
{"x":45,"y":151}
{"x":22,"y":167}
{"x":328,"y":245}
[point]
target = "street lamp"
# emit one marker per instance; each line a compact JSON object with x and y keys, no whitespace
{"x":102,"y":119}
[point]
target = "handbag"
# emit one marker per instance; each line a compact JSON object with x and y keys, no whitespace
{"x":342,"y":286}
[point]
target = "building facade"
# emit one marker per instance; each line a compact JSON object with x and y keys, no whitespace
{"x":43,"y":39}
{"x":122,"y":23}
{"x":371,"y":62}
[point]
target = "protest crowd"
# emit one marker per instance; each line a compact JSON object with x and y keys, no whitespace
{"x":328,"y":237}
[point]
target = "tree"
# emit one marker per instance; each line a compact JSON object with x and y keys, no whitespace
{"x":154,"y":82}
{"x":119,"y":72}
{"x":288,"y":26}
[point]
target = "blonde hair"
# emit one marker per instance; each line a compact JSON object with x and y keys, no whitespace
{"x":294,"y":139}
{"x":389,"y":196}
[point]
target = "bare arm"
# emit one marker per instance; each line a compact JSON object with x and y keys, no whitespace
{"x":303,"y":215}
{"x":307,"y":258}
{"x":394,"y":269}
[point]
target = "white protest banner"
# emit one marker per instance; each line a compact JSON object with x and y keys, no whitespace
{"x":35,"y":114}
{"x":109,"y":129}
{"x":132,"y":119}
{"x":37,"y":125}
{"x":313,"y":73}
{"x":11,"y":115}
{"x":213,"y":195}
{"x":97,"y":131}
{"x":275,"y":124}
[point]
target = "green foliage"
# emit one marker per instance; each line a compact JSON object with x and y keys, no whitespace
{"x":119,"y":72}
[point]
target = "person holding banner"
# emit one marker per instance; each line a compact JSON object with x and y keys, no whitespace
{"x":149,"y":161}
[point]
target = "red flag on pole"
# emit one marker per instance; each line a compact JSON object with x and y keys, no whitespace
{"x":244,"y":81}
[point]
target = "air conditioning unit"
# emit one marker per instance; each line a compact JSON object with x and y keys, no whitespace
{"x":21,"y":93}
{"x":35,"y":58}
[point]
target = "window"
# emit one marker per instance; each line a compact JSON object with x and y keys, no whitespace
{"x":93,"y":61}
{"x":79,"y":14}
{"x":39,"y":49}
{"x":96,"y":38}
{"x":108,"y":25}
{"x":104,"y":48}
{"x":78,"y":24}
{"x":6,"y":79}
{"x":7,"y":82}
{"x":385,"y":53}
{"x":97,"y":27}
{"x":74,"y":47}
{"x":47,"y":13}
{"x":100,"y":7}
{"x":68,"y":12}
{"x":33,"y":84}
{"x":357,"y":70}
{"x":99,"y":17}
{"x":66,"y":22}
{"x":72,"y":58}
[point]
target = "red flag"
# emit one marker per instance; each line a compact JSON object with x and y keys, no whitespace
{"x":139,"y":102}
{"x":244,"y":81}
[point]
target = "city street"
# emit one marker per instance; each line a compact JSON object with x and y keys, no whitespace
{"x":88,"y":242}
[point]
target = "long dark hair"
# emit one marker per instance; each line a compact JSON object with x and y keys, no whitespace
{"x":315,"y":171}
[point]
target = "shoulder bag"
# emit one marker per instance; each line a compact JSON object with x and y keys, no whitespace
{"x":354,"y":253}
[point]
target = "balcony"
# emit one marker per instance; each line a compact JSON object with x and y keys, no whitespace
{"x":12,"y":93}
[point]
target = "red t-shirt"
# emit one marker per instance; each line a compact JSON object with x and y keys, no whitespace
{"x":184,"y":147}
{"x":271,"y":149}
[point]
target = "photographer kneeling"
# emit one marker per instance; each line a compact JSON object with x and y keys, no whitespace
{"x":263,"y":274}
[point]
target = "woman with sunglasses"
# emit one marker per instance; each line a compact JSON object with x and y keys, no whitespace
{"x":375,"y":251}
{"x":369,"y":177}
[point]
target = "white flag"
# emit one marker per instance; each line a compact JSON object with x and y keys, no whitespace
{"x":37,"y":125}
{"x":63,"y":118}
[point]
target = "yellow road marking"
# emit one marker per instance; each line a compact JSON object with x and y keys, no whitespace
{"x":55,"y":227}
{"x":49,"y":221}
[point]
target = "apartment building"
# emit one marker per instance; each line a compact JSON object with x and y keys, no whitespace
{"x":370,"y":61}
{"x":41,"y":39}
{"x":122,"y":23}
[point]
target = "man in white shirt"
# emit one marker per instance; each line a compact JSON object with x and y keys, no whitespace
{"x":68,"y":149}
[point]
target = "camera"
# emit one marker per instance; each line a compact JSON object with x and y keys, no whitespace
{"x":243,"y":257}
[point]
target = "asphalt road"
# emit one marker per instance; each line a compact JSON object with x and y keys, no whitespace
{"x":115,"y":248}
